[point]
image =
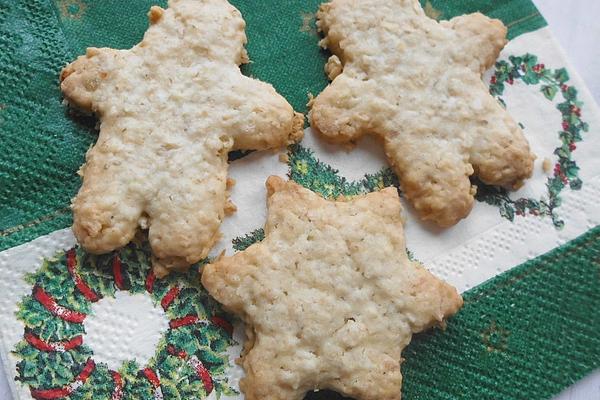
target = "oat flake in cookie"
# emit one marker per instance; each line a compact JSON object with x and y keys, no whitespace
{"x":416,"y":83}
{"x":329,"y":297}
{"x":170,"y":108}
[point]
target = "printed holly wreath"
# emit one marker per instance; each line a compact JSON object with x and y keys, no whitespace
{"x":190,"y":360}
{"x":566,"y":172}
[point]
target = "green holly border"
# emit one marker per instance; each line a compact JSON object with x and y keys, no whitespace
{"x":308,"y":171}
{"x":566,"y":171}
{"x":241,"y":243}
{"x":207,"y":341}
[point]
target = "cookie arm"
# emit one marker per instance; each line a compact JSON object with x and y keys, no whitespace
{"x":81,"y":79}
{"x":434,"y":176}
{"x":105,"y":211}
{"x":260,"y":118}
{"x":481,"y":40}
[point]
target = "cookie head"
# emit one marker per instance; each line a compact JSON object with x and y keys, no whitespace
{"x":329,"y":297}
{"x":416,"y":84}
{"x":170,"y":110}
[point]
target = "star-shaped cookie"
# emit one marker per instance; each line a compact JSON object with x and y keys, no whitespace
{"x":416,"y":84}
{"x":171,"y":108}
{"x":329,"y":297}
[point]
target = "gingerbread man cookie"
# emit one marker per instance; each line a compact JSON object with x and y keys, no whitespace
{"x":171,"y":108}
{"x":329,"y":297}
{"x":416,"y":83}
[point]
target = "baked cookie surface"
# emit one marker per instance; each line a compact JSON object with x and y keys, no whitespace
{"x":170,"y":110}
{"x":416,"y":84}
{"x":329,"y":297}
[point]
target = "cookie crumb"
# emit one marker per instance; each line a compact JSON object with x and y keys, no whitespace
{"x":284,"y":158}
{"x":547,"y":165}
{"x":244,"y":59}
{"x":143,"y":222}
{"x":230,"y":208}
{"x":297,"y":128}
{"x":155,"y":14}
{"x":229,"y":183}
{"x":311,"y":100}
{"x":333,"y":67}
{"x":324,"y":43}
{"x":91,"y":52}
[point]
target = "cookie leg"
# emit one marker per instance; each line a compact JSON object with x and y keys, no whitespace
{"x":500,"y":153}
{"x":105,"y":214}
{"x":434,"y":177}
{"x":186,"y":211}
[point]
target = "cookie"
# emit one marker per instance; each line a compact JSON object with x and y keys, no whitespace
{"x":170,"y":110}
{"x":329,"y":297}
{"x":416,"y":84}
